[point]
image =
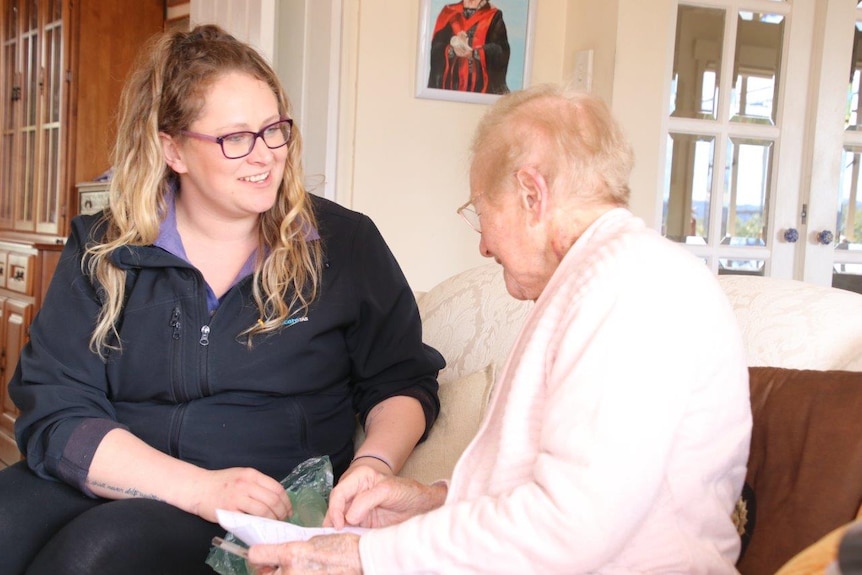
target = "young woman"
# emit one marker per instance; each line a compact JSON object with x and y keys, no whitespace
{"x":215,"y":327}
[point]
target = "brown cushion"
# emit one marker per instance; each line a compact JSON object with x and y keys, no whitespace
{"x":805,"y":465}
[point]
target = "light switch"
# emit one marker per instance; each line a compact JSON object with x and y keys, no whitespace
{"x":583,"y":79}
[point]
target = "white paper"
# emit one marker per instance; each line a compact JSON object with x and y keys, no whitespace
{"x":253,"y":530}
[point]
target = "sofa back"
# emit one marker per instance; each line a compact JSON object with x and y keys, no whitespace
{"x":793,"y":324}
{"x":473,"y":321}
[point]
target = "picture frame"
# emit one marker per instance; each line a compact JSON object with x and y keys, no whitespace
{"x":518,"y":16}
{"x":92,"y":197}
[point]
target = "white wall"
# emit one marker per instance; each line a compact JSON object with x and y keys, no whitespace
{"x":248,"y":20}
{"x":403,"y":160}
{"x":641,"y":90}
{"x":409,"y":160}
{"x":409,"y":164}
{"x":632,"y":42}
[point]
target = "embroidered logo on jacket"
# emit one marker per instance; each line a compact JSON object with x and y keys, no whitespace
{"x":293,"y":320}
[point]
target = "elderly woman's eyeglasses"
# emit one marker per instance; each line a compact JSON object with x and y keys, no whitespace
{"x":240,"y":144}
{"x":470,"y":215}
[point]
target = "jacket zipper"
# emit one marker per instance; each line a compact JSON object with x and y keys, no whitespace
{"x":177,"y":360}
{"x":203,"y":356}
{"x":175,"y":323}
{"x":176,"y":380}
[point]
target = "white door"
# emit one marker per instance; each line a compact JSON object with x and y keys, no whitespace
{"x":832,"y":251}
{"x":755,"y":134}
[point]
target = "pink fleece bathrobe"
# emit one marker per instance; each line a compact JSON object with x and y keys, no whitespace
{"x":617,"y":435}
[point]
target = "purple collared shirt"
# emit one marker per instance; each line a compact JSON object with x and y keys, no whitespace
{"x":169,"y":240}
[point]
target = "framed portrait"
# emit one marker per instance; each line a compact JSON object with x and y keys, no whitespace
{"x":473,"y":50}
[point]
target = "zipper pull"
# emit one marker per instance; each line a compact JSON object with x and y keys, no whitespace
{"x":175,"y":323}
{"x":205,"y":335}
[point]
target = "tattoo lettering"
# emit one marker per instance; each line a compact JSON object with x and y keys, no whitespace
{"x":129,"y":491}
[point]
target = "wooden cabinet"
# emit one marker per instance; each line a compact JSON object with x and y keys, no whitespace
{"x":17,"y":302}
{"x":16,"y":315}
{"x":34,"y":105}
{"x":62,"y":68}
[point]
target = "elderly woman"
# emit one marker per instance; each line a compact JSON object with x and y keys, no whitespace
{"x":617,"y":436}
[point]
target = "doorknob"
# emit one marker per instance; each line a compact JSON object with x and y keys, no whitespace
{"x":825,"y":237}
{"x":791,"y":235}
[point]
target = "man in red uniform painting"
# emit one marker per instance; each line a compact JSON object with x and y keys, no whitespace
{"x":470,"y":49}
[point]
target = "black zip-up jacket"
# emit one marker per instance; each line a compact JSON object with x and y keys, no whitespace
{"x":188,"y":385}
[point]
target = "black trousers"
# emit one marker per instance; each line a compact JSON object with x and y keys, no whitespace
{"x":50,"y":528}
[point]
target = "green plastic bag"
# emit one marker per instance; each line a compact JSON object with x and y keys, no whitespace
{"x":308,"y":486}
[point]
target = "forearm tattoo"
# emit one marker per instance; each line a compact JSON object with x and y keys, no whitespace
{"x":129,"y":491}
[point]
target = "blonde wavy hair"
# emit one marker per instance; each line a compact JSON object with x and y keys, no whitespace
{"x":166,"y":93}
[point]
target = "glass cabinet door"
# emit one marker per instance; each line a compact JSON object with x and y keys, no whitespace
{"x":52,"y":88}
{"x":10,"y":85}
{"x":28,"y":129}
{"x":31,"y":150}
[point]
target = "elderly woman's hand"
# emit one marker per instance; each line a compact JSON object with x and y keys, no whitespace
{"x":383,"y":501}
{"x":332,"y":554}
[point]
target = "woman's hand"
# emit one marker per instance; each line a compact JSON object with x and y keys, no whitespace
{"x":239,"y":489}
{"x":361,"y":476}
{"x":332,"y":554}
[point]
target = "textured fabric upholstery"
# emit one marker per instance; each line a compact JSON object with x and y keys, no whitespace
{"x":788,"y":323}
{"x":472,"y":321}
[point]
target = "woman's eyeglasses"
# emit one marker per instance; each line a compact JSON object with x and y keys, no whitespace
{"x":470,"y":215}
{"x":240,"y":144}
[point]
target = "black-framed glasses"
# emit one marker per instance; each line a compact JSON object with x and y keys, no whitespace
{"x":470,"y":215}
{"x":240,"y":144}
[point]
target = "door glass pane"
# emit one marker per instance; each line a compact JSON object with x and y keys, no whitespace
{"x":6,"y":179}
{"x":33,"y":13}
{"x":9,"y":105}
{"x":685,"y":211}
{"x":53,"y":65}
{"x":55,"y":10}
{"x":756,"y":67}
{"x":741,"y":267}
{"x":697,"y":62}
{"x":24,"y":212}
{"x":852,"y":120}
{"x":10,"y":108}
{"x":51,"y":183}
{"x":848,"y":275}
{"x":746,"y":200}
{"x":30,"y":14}
{"x":31,"y":79}
{"x":11,"y":23}
{"x":57,"y":76}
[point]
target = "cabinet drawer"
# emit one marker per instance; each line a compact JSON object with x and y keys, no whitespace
{"x":19,"y":273}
